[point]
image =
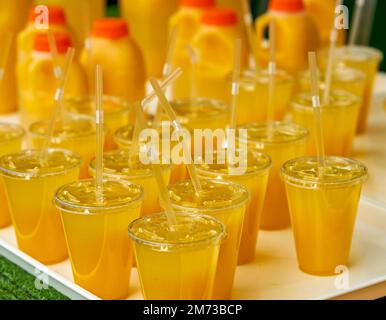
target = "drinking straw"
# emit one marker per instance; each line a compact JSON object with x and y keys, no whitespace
{"x":317,"y":110}
{"x":99,"y":131}
{"x":359,"y":4}
{"x":235,"y":83}
{"x":193,"y":63}
{"x":251,"y":37}
{"x":177,"y":126}
{"x":59,"y":94}
{"x":271,"y":75}
{"x":54,"y":54}
{"x":328,"y":76}
{"x":5,"y":54}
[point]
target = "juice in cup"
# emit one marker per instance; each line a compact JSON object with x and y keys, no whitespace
{"x":117,"y":113}
{"x":115,"y":50}
{"x":37,"y":82}
{"x":188,"y":20}
{"x":30,"y":185}
{"x":296,"y":34}
{"x":214,"y":46}
{"x":119,"y":165}
{"x":255,"y":178}
{"x":11,"y":138}
{"x":323,"y":210}
{"x":339,"y":119}
{"x":227,"y":202}
{"x":185,"y":259}
{"x":76,"y":134}
{"x":148,"y":20}
{"x":100,"y":251}
{"x":285,"y":141}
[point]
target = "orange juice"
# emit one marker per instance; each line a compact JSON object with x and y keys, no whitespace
{"x":115,"y":50}
{"x":11,"y":137}
{"x":148,"y":19}
{"x":296,"y":34}
{"x":37,"y":82}
{"x":323,"y":208}
{"x":100,"y":251}
{"x":30,"y":185}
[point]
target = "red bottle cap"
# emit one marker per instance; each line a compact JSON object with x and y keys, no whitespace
{"x":62,"y":40}
{"x":198,"y":3}
{"x":56,"y":15}
{"x":110,"y":28}
{"x":287,"y":5}
{"x":219,"y":17}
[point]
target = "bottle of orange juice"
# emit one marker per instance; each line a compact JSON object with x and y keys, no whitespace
{"x":113,"y":47}
{"x":296,"y":34}
{"x":148,"y":20}
{"x":38,"y":83}
{"x":187,"y":20}
{"x":13,"y":17}
{"x":214,"y":46}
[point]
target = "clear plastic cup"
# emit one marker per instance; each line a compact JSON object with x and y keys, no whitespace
{"x":101,"y":254}
{"x":339,"y":121}
{"x":11,"y":139}
{"x":255,"y":178}
{"x":179,"y":264}
{"x":227,"y":202}
{"x":323,"y":210}
{"x":281,"y":141}
{"x":30,"y":186}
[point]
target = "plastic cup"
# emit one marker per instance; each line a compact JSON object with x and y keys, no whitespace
{"x":255,"y":178}
{"x":367,"y":60}
{"x":78,"y":134}
{"x":101,"y":254}
{"x":179,"y":265}
{"x":11,"y":138}
{"x":117,"y":113}
{"x":285,"y":141}
{"x":30,"y":188}
{"x":227,"y":202}
{"x":323,"y":210}
{"x":339,"y":121}
{"x":119,"y":165}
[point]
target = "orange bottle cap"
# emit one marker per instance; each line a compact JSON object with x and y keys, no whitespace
{"x":287,"y":5}
{"x":56,"y":15}
{"x":198,"y":3}
{"x":219,"y":17}
{"x":62,"y":40}
{"x":110,"y":28}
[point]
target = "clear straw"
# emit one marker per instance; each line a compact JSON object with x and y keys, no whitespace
{"x":177,"y":126}
{"x":54,"y":54}
{"x":359,"y":4}
{"x":317,"y":110}
{"x":235,"y":84}
{"x":251,"y":36}
{"x":5,"y":54}
{"x":193,"y":65}
{"x":271,"y":75}
{"x":59,"y":94}
{"x":99,"y":131}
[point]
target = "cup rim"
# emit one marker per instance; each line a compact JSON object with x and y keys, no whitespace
{"x":374,"y":53}
{"x":252,"y":76}
{"x":20,"y":130}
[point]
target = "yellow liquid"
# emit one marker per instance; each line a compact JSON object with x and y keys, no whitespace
{"x":323,"y":211}
{"x":227,"y":202}
{"x":255,"y":179}
{"x":117,"y":113}
{"x":339,"y":120}
{"x":179,"y":264}
{"x":118,"y":165}
{"x":101,"y":253}
{"x":37,"y":224}
{"x":287,"y":142}
{"x":11,"y":137}
{"x":77,"y":135}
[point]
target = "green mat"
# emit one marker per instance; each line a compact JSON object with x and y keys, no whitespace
{"x":16,"y":284}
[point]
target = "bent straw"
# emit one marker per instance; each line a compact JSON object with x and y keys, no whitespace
{"x":271,"y":75}
{"x":359,"y":4}
{"x":54,"y":54}
{"x":59,"y":94}
{"x":248,"y":23}
{"x":317,"y":110}
{"x":5,"y":54}
{"x":328,"y":76}
{"x":99,"y":132}
{"x":177,"y":126}
{"x":235,"y":83}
